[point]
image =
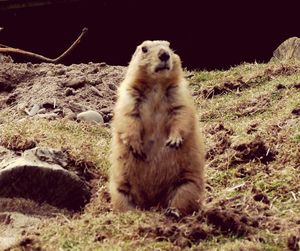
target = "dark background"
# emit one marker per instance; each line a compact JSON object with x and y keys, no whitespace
{"x":206,"y":34}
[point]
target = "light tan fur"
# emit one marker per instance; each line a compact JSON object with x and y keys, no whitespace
{"x":157,"y":149}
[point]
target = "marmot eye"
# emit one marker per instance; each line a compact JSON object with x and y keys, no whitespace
{"x":144,"y":49}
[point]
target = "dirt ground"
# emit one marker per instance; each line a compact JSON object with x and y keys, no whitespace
{"x":59,"y":90}
{"x":252,"y":191}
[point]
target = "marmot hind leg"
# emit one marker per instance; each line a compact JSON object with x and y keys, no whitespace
{"x":187,"y":198}
{"x":120,"y":199}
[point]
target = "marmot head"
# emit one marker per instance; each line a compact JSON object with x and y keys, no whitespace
{"x":155,"y":60}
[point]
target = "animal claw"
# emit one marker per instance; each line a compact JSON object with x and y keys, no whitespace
{"x":174,"y":142}
{"x":172,"y":212}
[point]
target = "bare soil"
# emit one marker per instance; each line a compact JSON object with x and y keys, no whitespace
{"x":58,"y":90}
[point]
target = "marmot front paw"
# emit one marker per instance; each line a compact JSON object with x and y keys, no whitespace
{"x":174,"y":142}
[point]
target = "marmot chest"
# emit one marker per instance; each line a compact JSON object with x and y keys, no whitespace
{"x":153,"y":110}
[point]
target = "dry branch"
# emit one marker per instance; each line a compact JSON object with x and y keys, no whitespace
{"x":10,"y":50}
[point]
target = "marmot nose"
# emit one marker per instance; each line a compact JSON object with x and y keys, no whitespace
{"x":163,"y":55}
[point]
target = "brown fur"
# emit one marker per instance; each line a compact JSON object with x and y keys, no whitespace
{"x":157,"y":149}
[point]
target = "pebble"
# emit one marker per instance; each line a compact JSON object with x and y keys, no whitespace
{"x":60,"y":72}
{"x":90,"y":116}
{"x":112,"y":87}
{"x":103,"y":64}
{"x":106,"y":110}
{"x":96,"y":91}
{"x":75,"y":82}
{"x":34,"y":110}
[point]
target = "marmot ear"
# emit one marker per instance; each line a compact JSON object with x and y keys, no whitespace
{"x":167,"y":43}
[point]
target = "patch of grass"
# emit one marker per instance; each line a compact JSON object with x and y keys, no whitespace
{"x":84,"y":142}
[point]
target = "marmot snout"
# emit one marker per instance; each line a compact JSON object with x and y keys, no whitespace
{"x":157,"y":149}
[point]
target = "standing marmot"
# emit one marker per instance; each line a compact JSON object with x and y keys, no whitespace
{"x":157,"y":149}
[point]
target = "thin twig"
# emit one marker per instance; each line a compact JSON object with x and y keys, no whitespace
{"x":9,"y":50}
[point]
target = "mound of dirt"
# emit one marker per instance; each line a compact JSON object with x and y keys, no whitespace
{"x":255,"y":150}
{"x":224,"y":88}
{"x":54,"y":90}
{"x":205,"y":225}
{"x":220,"y":135}
{"x":253,"y":106}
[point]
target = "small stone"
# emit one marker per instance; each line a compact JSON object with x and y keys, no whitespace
{"x":70,"y":92}
{"x":70,"y":116}
{"x":34,"y":110}
{"x":50,"y":155}
{"x":112,"y":87}
{"x":96,"y":91}
{"x":49,"y":116}
{"x":93,"y":71}
{"x":50,"y":73}
{"x":60,"y":72}
{"x":106,"y":110}
{"x":90,"y":116}
{"x":75,"y":83}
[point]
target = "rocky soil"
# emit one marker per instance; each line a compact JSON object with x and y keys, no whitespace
{"x":50,"y":91}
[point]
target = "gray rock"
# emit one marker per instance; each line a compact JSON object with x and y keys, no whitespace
{"x":288,"y":50}
{"x":49,"y":116}
{"x":102,"y":64}
{"x":69,"y":114}
{"x":75,"y":82}
{"x":39,"y":175}
{"x":49,"y":155}
{"x":112,"y":87}
{"x":96,"y":91}
{"x":60,"y":72}
{"x":78,"y":107}
{"x":90,"y":116}
{"x":34,"y":110}
{"x":106,"y":110}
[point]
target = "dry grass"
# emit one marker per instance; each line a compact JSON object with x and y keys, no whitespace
{"x":261,"y":192}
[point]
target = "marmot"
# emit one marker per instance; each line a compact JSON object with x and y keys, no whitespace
{"x":157,"y":149}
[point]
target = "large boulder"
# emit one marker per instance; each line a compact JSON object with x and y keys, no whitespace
{"x":42,"y":176}
{"x":288,"y":50}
